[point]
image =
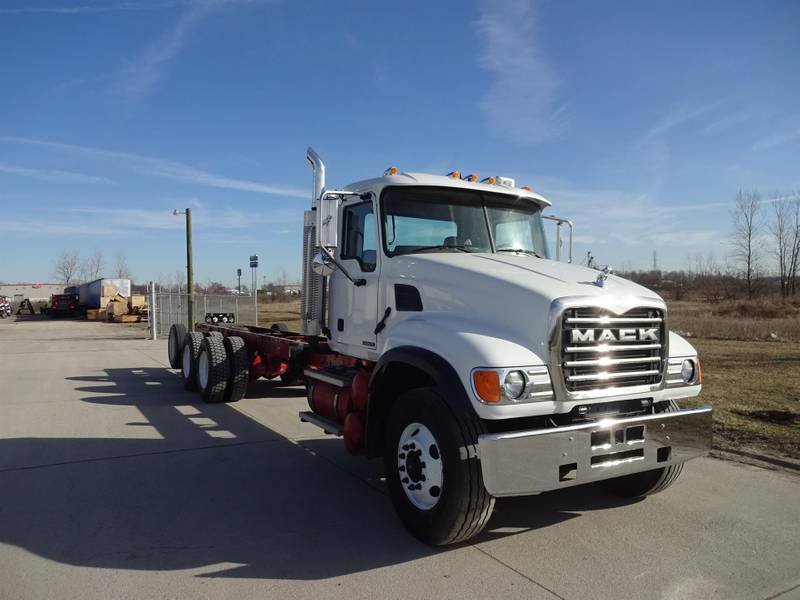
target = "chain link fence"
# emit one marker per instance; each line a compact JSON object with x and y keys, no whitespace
{"x":172,"y":307}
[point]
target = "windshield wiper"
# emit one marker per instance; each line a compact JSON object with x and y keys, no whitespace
{"x":443,"y":247}
{"x":521,"y":251}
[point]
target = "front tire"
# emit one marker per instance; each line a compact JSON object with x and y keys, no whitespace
{"x":639,"y":485}
{"x":432,"y":469}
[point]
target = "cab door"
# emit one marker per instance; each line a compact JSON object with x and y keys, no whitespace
{"x":354,"y":308}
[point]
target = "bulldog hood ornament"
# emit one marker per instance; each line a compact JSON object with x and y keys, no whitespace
{"x":603,"y":276}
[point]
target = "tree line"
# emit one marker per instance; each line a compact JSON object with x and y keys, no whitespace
{"x":764,"y":257}
{"x":70,"y":269}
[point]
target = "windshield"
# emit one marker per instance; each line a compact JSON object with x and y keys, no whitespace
{"x":417,"y":220}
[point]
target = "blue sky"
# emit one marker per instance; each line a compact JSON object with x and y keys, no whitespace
{"x":639,"y":120}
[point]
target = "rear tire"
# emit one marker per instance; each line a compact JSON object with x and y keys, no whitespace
{"x":191,"y":349}
{"x":446,"y":446}
{"x":177,"y":334}
{"x":238,"y":370}
{"x":645,"y":483}
{"x":213,"y":368}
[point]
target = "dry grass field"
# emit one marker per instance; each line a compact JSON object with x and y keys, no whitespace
{"x":755,"y":390}
{"x":751,"y":378}
{"x":755,"y":320}
{"x":280,"y":312}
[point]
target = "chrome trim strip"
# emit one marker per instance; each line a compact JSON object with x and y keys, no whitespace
{"x":611,"y":348}
{"x":607,"y":376}
{"x":614,"y":320}
{"x":528,"y":462}
{"x":602,"y":362}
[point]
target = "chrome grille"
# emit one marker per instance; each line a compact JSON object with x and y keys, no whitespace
{"x":600,"y":349}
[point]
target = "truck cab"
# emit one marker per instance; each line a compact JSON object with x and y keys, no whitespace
{"x":555,"y":374}
{"x":441,"y":336}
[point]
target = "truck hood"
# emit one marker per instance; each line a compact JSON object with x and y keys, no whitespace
{"x":543,"y":277}
{"x":505,"y":295}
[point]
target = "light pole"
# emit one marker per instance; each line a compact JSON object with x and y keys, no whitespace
{"x":189,"y":271}
{"x":253,"y":267}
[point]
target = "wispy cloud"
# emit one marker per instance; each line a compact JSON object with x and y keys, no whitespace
{"x":203,"y":217}
{"x":520,"y":104}
{"x":101,"y":221}
{"x":733,"y":120}
{"x":139,"y":77}
{"x":50,"y":226}
{"x":682,"y":115}
{"x":778,"y":139}
{"x":55,"y":175}
{"x":164,"y":169}
{"x":79,"y":9}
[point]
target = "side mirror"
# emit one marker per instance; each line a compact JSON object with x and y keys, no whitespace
{"x":559,"y":222}
{"x":328,"y":219}
{"x":322,"y":265}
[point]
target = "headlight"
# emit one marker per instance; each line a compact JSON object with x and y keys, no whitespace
{"x":688,"y":371}
{"x":514,"y":384}
{"x":511,"y":385}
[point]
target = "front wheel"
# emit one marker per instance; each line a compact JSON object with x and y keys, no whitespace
{"x":432,"y":469}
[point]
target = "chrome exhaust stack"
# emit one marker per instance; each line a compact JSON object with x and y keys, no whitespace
{"x":313,"y":284}
{"x":318,"y":168}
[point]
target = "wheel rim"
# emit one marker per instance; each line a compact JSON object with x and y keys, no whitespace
{"x":202,"y":369}
{"x":419,"y":466}
{"x":187,"y":361}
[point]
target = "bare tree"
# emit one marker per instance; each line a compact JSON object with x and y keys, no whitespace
{"x":794,"y":246}
{"x":179,"y":279}
{"x":781,"y":229}
{"x":712,"y":267}
{"x":121,"y":269}
{"x":65,"y":267}
{"x":93,"y":266}
{"x":747,"y":225}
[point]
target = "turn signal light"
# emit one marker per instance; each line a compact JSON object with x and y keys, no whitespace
{"x":454,"y":174}
{"x":699,"y":373}
{"x":390,"y":171}
{"x":527,"y":188}
{"x":471,"y":177}
{"x":488,"y":180}
{"x":487,"y":385}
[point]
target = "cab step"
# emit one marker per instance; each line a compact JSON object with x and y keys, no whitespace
{"x":326,"y":425}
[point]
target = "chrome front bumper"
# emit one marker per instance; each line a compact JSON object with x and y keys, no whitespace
{"x":528,"y":462}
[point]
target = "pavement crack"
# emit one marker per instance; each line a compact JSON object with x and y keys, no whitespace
{"x":786,"y":591}
{"x":520,"y":573}
{"x":137,"y":455}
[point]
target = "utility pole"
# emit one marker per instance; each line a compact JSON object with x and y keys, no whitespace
{"x":189,"y":269}
{"x":253,"y":267}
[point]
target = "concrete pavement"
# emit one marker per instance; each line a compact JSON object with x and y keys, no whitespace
{"x":115,"y":482}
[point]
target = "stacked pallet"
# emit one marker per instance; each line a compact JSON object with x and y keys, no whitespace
{"x":116,"y":308}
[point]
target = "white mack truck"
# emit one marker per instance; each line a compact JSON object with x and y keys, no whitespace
{"x":439,"y":335}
